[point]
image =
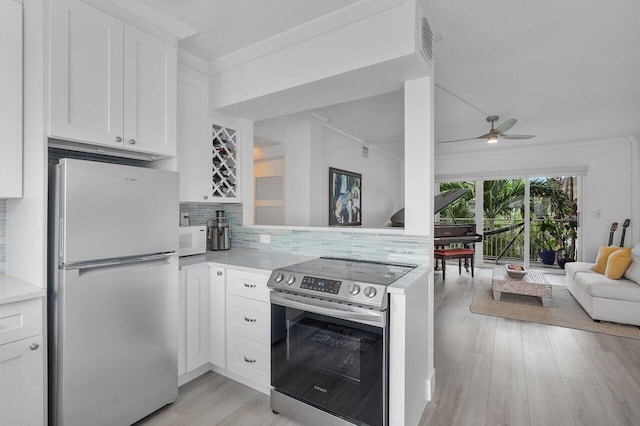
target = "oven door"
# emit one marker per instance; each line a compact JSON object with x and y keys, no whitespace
{"x":332,"y":356}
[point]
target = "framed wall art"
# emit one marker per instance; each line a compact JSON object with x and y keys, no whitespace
{"x":345,"y":198}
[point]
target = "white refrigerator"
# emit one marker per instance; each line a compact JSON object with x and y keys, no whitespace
{"x":113,"y":293}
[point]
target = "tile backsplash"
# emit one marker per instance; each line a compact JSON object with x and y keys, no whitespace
{"x":382,"y":245}
{"x":3,"y":235}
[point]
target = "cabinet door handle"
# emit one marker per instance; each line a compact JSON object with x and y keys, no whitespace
{"x":34,"y":346}
{"x":118,"y":139}
{"x":219,"y":273}
{"x":250,"y":361}
{"x":205,"y":197}
{"x":249,"y":285}
{"x":132,"y":141}
{"x":249,"y":319}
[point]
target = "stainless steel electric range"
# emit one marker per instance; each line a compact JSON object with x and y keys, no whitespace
{"x":329,"y":340}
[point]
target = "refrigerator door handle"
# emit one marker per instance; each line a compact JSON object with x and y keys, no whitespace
{"x":86,"y":266}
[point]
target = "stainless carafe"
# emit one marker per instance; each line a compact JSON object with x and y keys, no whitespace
{"x":218,"y":232}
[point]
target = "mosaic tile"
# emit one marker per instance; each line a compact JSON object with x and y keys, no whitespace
{"x":379,"y":246}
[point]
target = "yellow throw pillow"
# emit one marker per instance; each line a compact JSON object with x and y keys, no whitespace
{"x":603,"y":255}
{"x":618,"y":263}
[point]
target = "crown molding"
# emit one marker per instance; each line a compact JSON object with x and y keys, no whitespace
{"x":145,"y":18}
{"x":192,"y":61}
{"x":309,"y":30}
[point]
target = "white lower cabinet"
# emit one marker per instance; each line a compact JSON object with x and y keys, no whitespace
{"x":249,"y":359}
{"x":217,"y":317}
{"x":225,"y":320}
{"x":249,"y":326}
{"x":21,"y":364}
{"x":194,"y":317}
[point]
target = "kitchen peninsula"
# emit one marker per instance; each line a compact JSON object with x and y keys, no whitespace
{"x":233,"y":285}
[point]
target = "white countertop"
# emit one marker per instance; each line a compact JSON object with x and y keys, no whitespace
{"x":419,"y":274}
{"x":14,"y":290}
{"x":268,"y":261}
{"x":243,"y":258}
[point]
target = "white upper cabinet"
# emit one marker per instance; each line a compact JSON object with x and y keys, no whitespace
{"x":194,"y":160}
{"x":111,"y":84}
{"x":86,"y":74}
{"x":150,"y":86}
{"x":208,"y":145}
{"x":10,"y":99}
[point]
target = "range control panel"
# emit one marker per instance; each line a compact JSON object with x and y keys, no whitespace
{"x":349,"y":291}
{"x":321,"y":285}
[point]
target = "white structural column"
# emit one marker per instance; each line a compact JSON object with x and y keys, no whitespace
{"x":418,"y":153}
{"x":412,"y":369}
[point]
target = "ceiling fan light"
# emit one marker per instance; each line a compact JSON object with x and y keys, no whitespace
{"x":492,"y":139}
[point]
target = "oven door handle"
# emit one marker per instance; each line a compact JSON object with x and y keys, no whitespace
{"x":360,"y":315}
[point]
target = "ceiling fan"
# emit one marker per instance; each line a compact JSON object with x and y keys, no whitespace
{"x":498,"y":133}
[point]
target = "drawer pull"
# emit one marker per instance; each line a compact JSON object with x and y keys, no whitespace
{"x":34,"y":346}
{"x":249,"y":285}
{"x":250,"y":361}
{"x":249,"y":319}
{"x":219,"y":273}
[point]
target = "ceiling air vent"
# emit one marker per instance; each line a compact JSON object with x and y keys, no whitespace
{"x":426,"y":40}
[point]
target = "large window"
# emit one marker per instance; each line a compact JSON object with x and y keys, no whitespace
{"x":529,"y":220}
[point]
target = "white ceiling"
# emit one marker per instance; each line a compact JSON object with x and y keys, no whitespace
{"x":568,"y":70}
{"x":225,"y":26}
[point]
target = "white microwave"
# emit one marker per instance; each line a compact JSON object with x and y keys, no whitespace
{"x":193,"y":240}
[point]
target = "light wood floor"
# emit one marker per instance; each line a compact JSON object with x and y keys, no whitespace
{"x":497,"y":371}
{"x":489,"y":371}
{"x":212,"y":399}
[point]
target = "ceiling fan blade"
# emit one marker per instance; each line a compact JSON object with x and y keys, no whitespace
{"x":518,"y":136}
{"x":460,"y":140}
{"x":506,"y":125}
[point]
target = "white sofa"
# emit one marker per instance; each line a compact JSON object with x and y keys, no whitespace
{"x":605,"y":299}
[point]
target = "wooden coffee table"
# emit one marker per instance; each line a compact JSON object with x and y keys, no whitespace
{"x":532,"y":284}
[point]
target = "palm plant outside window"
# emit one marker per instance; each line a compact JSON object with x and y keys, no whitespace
{"x":553,"y":212}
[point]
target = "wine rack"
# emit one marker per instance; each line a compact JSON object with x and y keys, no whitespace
{"x":224,"y":162}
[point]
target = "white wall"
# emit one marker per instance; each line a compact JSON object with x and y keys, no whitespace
{"x":310,"y":149}
{"x":295,"y":134}
{"x":608,"y":186}
{"x":382,"y":190}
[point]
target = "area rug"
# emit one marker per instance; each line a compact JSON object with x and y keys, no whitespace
{"x":563,"y":311}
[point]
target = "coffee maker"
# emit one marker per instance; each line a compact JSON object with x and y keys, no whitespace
{"x":218,"y":232}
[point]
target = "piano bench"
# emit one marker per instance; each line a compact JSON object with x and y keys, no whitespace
{"x":454,"y":253}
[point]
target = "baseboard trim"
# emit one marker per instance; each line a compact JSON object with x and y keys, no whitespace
{"x":431,"y":385}
{"x":191,"y":375}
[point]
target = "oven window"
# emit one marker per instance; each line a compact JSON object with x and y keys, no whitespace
{"x":327,"y":347}
{"x":333,"y":364}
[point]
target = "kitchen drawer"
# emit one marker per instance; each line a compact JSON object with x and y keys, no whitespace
{"x":249,"y":318}
{"x":249,"y":359}
{"x":248,"y":284}
{"x":19,"y":320}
